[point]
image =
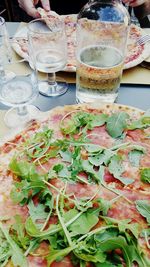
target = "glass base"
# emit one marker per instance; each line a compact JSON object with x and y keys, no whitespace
{"x":56,"y":89}
{"x":90,"y":98}
{"x":14,"y":119}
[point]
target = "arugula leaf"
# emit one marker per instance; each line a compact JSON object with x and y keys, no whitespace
{"x":55,"y":255}
{"x":101,"y":158}
{"x":124,"y":225}
{"x":105,"y":242}
{"x":62,"y":171}
{"x":89,"y":254}
{"x":39,"y":143}
{"x":100,"y":175}
{"x":74,"y":123}
{"x":88,"y":168}
{"x":137,"y":255}
{"x":89,"y":120}
{"x":134,"y":157}
{"x":145,"y":175}
{"x":17,"y":256}
{"x":116,"y":168}
{"x":139,"y":148}
{"x":20,"y":192}
{"x":82,"y":120}
{"x":104,"y":205}
{"x":116,"y":124}
{"x":70,"y":216}
{"x":31,"y":228}
{"x":113,"y":243}
{"x":37,"y":212}
{"x":98,"y":120}
{"x":106,"y":234}
{"x":21,"y":168}
{"x":31,"y":181}
{"x":19,"y":234}
{"x":147,"y":231}
{"x":84,"y":223}
{"x":93,"y":148}
{"x":110,"y":239}
{"x":66,"y":156}
{"x":146,"y":234}
{"x":26,"y":171}
{"x":141,"y":123}
{"x":108,"y":263}
{"x":5,"y":250}
{"x":46,"y":198}
{"x":143,"y":207}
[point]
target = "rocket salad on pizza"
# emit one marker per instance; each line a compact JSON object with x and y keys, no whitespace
{"x":75,"y":190}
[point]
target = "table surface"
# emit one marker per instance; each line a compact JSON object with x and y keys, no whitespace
{"x":132,"y":95}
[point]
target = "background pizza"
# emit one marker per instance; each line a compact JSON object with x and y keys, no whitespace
{"x":135,"y":53}
{"x":75,"y":189}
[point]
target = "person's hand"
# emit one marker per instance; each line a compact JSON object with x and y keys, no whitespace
{"x":29,"y":6}
{"x":134,"y":3}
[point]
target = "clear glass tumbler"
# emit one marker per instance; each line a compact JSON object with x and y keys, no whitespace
{"x":102,"y":31}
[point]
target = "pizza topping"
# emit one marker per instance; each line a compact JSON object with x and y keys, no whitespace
{"x":143,"y":206}
{"x":146,"y":234}
{"x":9,"y":248}
{"x":145,"y":175}
{"x":117,"y":123}
{"x":141,"y":123}
{"x":83,"y":119}
{"x":116,"y":168}
{"x":134,"y":157}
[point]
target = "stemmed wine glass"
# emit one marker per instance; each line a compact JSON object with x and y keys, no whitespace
{"x":17,"y":91}
{"x":48,"y":51}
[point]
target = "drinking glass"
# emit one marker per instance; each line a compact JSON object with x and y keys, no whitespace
{"x":102,"y":30}
{"x":5,"y":51}
{"x":133,"y":18}
{"x":48,"y":52}
{"x":17,"y":91}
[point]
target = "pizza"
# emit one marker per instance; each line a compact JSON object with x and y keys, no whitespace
{"x":135,"y":53}
{"x":75,"y":189}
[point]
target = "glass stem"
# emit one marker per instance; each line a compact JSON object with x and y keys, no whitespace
{"x":52,"y":78}
{"x":22,"y":110}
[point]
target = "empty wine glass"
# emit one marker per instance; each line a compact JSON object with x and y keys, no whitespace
{"x":48,"y":51}
{"x":17,"y":91}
